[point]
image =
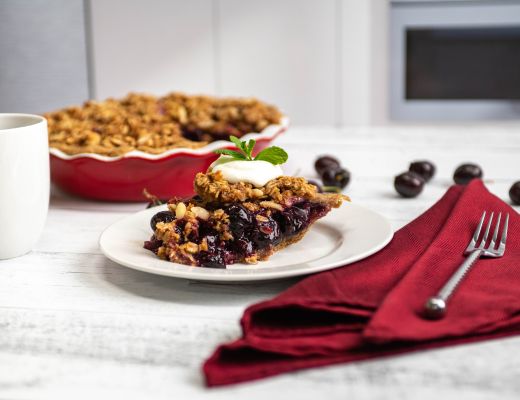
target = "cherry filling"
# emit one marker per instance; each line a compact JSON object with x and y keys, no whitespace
{"x":253,"y":232}
{"x":199,"y":135}
{"x":153,"y":244}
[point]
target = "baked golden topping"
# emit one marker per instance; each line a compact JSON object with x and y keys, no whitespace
{"x":212,"y":187}
{"x":155,"y":124}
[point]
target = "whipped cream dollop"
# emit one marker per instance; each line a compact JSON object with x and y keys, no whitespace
{"x":257,"y":173}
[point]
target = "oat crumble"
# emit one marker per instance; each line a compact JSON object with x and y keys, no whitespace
{"x":155,"y":124}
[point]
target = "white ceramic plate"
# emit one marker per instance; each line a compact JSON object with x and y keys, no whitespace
{"x":344,"y":236}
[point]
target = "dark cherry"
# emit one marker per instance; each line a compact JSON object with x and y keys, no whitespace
{"x":215,"y":256}
{"x":466,"y":172}
{"x":212,"y":259}
{"x":153,"y":244}
{"x":294,"y":219}
{"x":212,"y":240}
{"x":161,"y":216}
{"x":317,"y":211}
{"x":238,"y":213}
{"x":338,"y":177}
{"x":425,"y":169}
{"x":326,"y":162}
{"x":408,"y":184}
{"x":267,"y":233}
{"x":243,"y":246}
{"x":239,"y":219}
{"x":196,"y":135}
{"x":514,"y":193}
{"x":318,"y":186}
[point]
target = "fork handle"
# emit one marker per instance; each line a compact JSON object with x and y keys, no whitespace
{"x":436,"y":306}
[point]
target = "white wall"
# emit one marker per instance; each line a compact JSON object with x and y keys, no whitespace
{"x":43,"y":59}
{"x":321,"y":61}
{"x":283,"y":52}
{"x":153,"y":46}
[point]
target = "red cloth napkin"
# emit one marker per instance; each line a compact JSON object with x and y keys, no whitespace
{"x":373,"y":308}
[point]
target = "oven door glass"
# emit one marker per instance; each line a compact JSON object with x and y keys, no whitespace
{"x":463,"y":63}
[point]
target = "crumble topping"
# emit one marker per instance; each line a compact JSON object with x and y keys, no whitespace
{"x":155,"y":124}
{"x":212,"y":187}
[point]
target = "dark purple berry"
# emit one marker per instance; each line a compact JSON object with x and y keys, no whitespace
{"x":161,"y":216}
{"x":408,"y":184}
{"x":339,"y":177}
{"x":294,"y":219}
{"x":466,"y":172}
{"x":213,"y":259}
{"x":238,"y":213}
{"x":243,"y":246}
{"x":240,"y":219}
{"x":326,"y":162}
{"x":425,"y":169}
{"x":319,"y":189}
{"x":153,"y":244}
{"x":514,"y":193}
{"x":267,"y":233}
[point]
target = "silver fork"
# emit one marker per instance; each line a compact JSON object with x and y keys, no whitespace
{"x":436,"y":306}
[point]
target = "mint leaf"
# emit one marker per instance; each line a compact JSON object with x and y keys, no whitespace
{"x":275,"y":155}
{"x":237,"y":142}
{"x":245,"y":147}
{"x":250,"y":147}
{"x":232,"y":153}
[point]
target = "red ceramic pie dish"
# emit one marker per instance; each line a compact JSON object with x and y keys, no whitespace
{"x":123,"y":178}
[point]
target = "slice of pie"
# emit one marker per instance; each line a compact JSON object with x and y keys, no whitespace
{"x":238,"y":222}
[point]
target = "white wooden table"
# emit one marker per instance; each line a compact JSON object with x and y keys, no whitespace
{"x":75,"y":325}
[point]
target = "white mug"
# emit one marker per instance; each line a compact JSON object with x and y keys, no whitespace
{"x":24,"y":182}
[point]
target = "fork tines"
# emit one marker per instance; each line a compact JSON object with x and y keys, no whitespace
{"x":491,"y":249}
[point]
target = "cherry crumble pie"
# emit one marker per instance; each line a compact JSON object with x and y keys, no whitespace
{"x":226,"y":223}
{"x":155,"y":124}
